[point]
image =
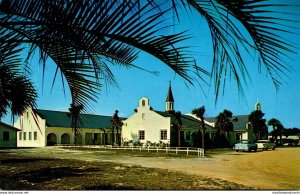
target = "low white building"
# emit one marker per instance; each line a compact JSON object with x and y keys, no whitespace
{"x":39,"y":128}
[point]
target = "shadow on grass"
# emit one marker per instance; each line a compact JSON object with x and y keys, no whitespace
{"x":48,"y":174}
{"x":22,"y":160}
{"x":109,"y":187}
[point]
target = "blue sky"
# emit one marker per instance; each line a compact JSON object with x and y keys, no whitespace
{"x":134,"y":84}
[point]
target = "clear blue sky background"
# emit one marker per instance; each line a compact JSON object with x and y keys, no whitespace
{"x":134,"y":84}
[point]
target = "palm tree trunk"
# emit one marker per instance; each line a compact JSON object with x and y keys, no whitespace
{"x":203,"y":139}
{"x":203,"y":134}
{"x":117,"y":139}
{"x":280,"y":139}
{"x":113,"y":136}
{"x":178,"y":127}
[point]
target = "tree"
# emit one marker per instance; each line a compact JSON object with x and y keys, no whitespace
{"x":224,"y":123}
{"x":199,"y":112}
{"x":292,"y":131}
{"x":17,"y":92}
{"x":75,"y":111}
{"x":116,"y":123}
{"x":84,"y":38}
{"x":258,"y":124}
{"x":278,"y":129}
{"x":178,"y":124}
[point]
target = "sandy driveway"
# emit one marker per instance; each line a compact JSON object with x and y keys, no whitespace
{"x":277,"y":169}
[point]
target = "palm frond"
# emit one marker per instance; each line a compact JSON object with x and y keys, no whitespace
{"x":83,"y":38}
{"x":17,"y":92}
{"x":252,"y":25}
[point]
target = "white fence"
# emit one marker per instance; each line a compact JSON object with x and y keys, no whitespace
{"x":176,"y":150}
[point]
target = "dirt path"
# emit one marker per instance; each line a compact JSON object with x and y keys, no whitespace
{"x":270,"y":170}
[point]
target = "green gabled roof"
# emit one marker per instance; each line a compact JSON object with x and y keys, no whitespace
{"x":188,"y":122}
{"x":62,"y":119}
{"x":4,"y":125}
{"x":239,"y":125}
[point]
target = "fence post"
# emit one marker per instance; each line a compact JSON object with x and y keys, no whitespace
{"x":140,"y":148}
{"x":176,"y":150}
{"x":187,"y":151}
{"x":166,"y":150}
{"x":148,"y":148}
{"x":131,"y":148}
{"x":157,"y":149}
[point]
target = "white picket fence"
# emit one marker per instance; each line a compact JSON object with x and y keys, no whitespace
{"x":176,"y":150}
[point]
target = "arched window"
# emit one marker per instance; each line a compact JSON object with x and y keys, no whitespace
{"x":143,"y":103}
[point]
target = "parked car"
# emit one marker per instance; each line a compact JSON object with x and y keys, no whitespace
{"x":245,"y":145}
{"x":265,"y":145}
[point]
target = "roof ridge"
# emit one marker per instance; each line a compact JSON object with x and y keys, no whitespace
{"x":69,"y":112}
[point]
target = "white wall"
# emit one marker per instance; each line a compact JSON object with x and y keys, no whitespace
{"x":30,"y":123}
{"x":147,"y":120}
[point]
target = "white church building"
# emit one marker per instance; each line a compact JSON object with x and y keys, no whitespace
{"x":146,"y":125}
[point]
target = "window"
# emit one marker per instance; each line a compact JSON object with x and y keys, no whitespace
{"x":35,"y":135}
{"x":163,"y":134}
{"x":24,"y":135}
{"x":95,"y":136}
{"x":143,"y":116}
{"x":20,"y":136}
{"x":188,"y":136}
{"x":30,"y":135}
{"x":5,"y":136}
{"x":143,"y":103}
{"x":141,"y":135}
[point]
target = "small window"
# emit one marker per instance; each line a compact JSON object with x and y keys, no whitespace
{"x":35,"y":135}
{"x":20,"y":136}
{"x":141,"y":135}
{"x":143,"y":103}
{"x":238,"y":136}
{"x":163,"y":134}
{"x":24,"y":135}
{"x":188,"y":136}
{"x":5,"y":136}
{"x":95,"y":136}
{"x":143,"y":116}
{"x":30,"y":136}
